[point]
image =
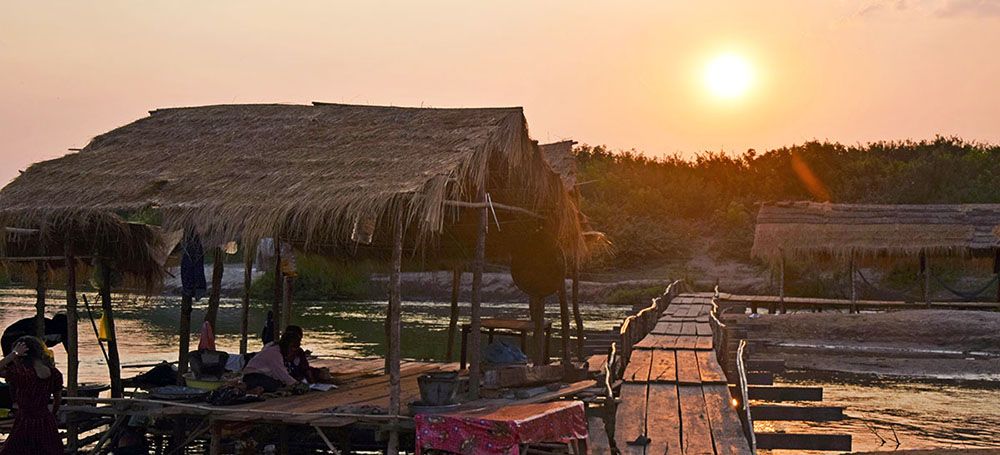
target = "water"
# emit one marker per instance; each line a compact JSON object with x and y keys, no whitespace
{"x":147,"y":327}
{"x":920,"y":414}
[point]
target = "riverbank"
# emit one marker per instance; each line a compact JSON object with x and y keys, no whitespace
{"x":931,"y":344}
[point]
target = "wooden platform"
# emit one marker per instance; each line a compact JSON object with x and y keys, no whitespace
{"x":674,"y":392}
{"x":768,"y":301}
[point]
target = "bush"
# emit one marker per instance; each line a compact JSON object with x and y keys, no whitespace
{"x":320,"y":278}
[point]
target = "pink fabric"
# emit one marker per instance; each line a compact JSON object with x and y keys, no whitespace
{"x":269,"y":361}
{"x":207,"y":341}
{"x":500,"y":431}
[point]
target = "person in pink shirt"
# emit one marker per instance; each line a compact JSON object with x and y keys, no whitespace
{"x":267,"y":369}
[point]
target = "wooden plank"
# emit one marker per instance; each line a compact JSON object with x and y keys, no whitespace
{"x":664,"y":366}
{"x":703,"y":329}
{"x":695,"y":431}
{"x":663,"y":420}
{"x":686,"y":342}
{"x":793,"y":441}
{"x":658,"y":342}
{"x":689,"y":328}
{"x":782,"y":393}
{"x":704,"y":343}
{"x":630,"y":420}
{"x":637,"y":369}
{"x":804,"y":413}
{"x":760,"y":378}
{"x":687,"y":368}
{"x":597,"y":441}
{"x":709,"y":368}
{"x":727,"y":431}
{"x":668,"y":327}
{"x":772,"y":365}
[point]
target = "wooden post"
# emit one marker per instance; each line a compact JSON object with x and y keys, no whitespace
{"x":41,"y":280}
{"x":575,"y":298}
{"x":536,"y":308}
{"x":456,"y":284}
{"x":114,"y":362}
{"x":475,"y":324}
{"x":286,"y":301}
{"x":245,"y":311}
{"x":395,"y":308}
{"x":216,"y":292}
{"x":854,"y":286}
{"x":72,"y":346}
{"x":215,"y":445}
{"x":781,"y":285}
{"x":184,"y":331}
{"x":996,"y":270}
{"x":564,"y":321}
{"x":279,"y":284}
{"x":925,"y":270}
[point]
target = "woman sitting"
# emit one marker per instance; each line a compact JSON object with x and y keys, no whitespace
{"x":267,"y":369}
{"x":35,"y":381}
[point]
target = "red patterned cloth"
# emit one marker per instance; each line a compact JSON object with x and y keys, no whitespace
{"x":35,"y":431}
{"x":500,"y":431}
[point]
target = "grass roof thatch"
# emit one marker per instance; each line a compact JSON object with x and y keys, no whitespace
{"x":793,"y":229}
{"x":311,"y":173}
{"x":560,"y":157}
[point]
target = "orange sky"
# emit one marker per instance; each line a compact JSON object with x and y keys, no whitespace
{"x":625,"y":74}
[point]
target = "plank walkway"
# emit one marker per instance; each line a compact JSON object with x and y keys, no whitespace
{"x":765,"y":301}
{"x":675,"y":392}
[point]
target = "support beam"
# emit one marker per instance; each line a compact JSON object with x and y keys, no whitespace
{"x":245,"y":310}
{"x":854,"y":286}
{"x":72,"y":346}
{"x":279,"y":287}
{"x":810,"y":413}
{"x":925,"y":272}
{"x":184,"y":332}
{"x":996,"y":270}
{"x":456,"y":285}
{"x":478,"y":262}
{"x":214,"y":294}
{"x":395,"y":308}
{"x":564,"y":321}
{"x":575,"y":298}
{"x":797,"y":441}
{"x":536,"y":307}
{"x":781,"y":393}
{"x":114,"y":362}
{"x":286,"y":301}
{"x":41,"y":281}
{"x":781,"y":286}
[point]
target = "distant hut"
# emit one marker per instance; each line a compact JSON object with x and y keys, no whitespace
{"x":849,"y":232}
{"x":344,"y":180}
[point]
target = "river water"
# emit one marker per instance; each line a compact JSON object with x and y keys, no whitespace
{"x":919,"y":414}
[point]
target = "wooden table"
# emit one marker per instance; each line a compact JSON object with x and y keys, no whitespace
{"x":491,"y":325}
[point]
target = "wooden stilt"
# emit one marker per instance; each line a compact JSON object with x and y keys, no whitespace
{"x":781,"y":286}
{"x":996,"y":270}
{"x":215,"y":447}
{"x":41,"y":280}
{"x":72,"y":346}
{"x":925,"y":270}
{"x":854,"y":286}
{"x":536,"y":308}
{"x":214,"y":294}
{"x":456,"y":284}
{"x":184,"y":332}
{"x":114,"y":362}
{"x":395,"y":308}
{"x":245,"y":310}
{"x":286,"y":301}
{"x":279,"y":287}
{"x":564,"y":321}
{"x":575,"y":298}
{"x":475,"y":324}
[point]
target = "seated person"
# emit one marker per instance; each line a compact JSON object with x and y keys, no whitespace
{"x":56,"y":329}
{"x":267,"y":369}
{"x":298,"y":362}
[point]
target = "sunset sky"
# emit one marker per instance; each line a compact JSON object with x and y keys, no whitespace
{"x":626,"y":74}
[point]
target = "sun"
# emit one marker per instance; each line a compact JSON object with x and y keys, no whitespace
{"x":728,"y":76}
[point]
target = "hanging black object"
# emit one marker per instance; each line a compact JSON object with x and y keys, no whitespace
{"x":537,"y":265}
{"x":193,"y":282}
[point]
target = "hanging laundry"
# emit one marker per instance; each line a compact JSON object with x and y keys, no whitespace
{"x":193,"y":267}
{"x":207,"y":340}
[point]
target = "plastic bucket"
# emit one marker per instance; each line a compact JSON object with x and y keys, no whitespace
{"x":438,"y":389}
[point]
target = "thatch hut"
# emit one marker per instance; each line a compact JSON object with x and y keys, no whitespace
{"x":849,"y":232}
{"x":341,"y":179}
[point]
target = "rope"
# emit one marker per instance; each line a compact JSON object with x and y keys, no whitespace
{"x":967,"y":296}
{"x":904,"y":294}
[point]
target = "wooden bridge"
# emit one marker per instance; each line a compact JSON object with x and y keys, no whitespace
{"x":674,"y":393}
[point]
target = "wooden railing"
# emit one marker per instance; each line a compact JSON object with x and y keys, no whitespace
{"x":637,"y":326}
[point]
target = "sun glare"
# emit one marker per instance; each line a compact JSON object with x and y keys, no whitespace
{"x":728,"y":76}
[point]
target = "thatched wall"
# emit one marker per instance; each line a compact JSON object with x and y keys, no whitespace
{"x":840,"y":230}
{"x":309,"y":173}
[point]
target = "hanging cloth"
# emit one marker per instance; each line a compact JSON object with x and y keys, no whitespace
{"x":207,"y":340}
{"x":193,"y":267}
{"x":103,"y":328}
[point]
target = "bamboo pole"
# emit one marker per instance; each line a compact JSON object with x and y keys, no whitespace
{"x":475,"y":329}
{"x":564,"y":321}
{"x":245,"y":310}
{"x":218,"y":267}
{"x":184,"y":332}
{"x":456,"y":284}
{"x":395,"y":307}
{"x":114,"y":361}
{"x":278,"y":289}
{"x":41,"y":280}
{"x":575,"y":298}
{"x":72,"y":345}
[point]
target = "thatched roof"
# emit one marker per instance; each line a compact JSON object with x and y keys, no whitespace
{"x":306,"y":172}
{"x":560,"y":156}
{"x":840,"y":230}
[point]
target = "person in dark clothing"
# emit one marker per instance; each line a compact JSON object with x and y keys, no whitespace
{"x":36,"y":383}
{"x":267,"y":335}
{"x":56,"y":329}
